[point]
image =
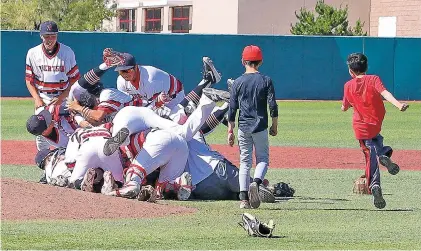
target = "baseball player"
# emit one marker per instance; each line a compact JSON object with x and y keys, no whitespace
{"x":51,"y":69}
{"x":251,"y":93}
{"x":131,"y":120}
{"x":53,"y":164}
{"x":154,"y":84}
{"x":364,"y":93}
{"x":85,"y":150}
{"x":53,"y":124}
{"x":162,"y":149}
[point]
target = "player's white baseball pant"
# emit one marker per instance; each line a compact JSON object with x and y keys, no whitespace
{"x":163,"y":149}
{"x":137,"y":119}
{"x":91,"y":154}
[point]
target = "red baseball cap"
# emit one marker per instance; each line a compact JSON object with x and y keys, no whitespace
{"x":252,"y":53}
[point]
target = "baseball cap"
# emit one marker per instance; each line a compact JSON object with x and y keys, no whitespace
{"x":128,"y":63}
{"x":252,"y":53}
{"x":48,"y":27}
{"x":38,"y":123}
{"x":41,"y":156}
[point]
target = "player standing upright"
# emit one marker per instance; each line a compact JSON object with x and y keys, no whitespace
{"x":364,"y":93}
{"x":250,"y":93}
{"x":51,"y":69}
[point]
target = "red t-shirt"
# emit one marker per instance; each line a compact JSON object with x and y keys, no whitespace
{"x":364,"y":95}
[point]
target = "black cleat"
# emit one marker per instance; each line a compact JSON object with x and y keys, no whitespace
{"x":378,"y":200}
{"x":115,"y":142}
{"x":387,"y":162}
{"x":209,"y":71}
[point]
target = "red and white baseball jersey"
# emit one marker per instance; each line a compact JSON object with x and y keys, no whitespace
{"x":51,"y":74}
{"x":64,"y":125}
{"x":151,"y":82}
{"x":112,"y":100}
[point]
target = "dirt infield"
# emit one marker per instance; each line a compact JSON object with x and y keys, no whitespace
{"x":24,"y":200}
{"x":23,"y":152}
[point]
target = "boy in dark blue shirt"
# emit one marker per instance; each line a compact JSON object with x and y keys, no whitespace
{"x":250,"y":93}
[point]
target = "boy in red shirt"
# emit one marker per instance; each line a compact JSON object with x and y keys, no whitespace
{"x":364,"y":93}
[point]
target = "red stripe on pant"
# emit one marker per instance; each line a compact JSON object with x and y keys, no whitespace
{"x":366,"y":152}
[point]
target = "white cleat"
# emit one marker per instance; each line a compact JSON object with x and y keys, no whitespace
{"x":185,"y":188}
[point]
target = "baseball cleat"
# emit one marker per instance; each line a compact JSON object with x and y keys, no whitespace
{"x":392,"y":168}
{"x":378,"y":200}
{"x":230,"y":82}
{"x":209,"y":71}
{"x":185,"y":188}
{"x":88,"y":181}
{"x":109,"y":184}
{"x":254,"y":195}
{"x":265,"y":195}
{"x":216,"y":95}
{"x":130,"y":190}
{"x":245,"y":204}
{"x":113,"y":143}
{"x":112,"y":58}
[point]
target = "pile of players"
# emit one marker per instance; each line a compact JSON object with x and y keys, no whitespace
{"x":144,"y":134}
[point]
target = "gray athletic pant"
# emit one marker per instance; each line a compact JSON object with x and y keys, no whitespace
{"x":246,"y":141}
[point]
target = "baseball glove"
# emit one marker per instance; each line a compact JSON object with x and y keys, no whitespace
{"x":147,"y":193}
{"x":282,"y":189}
{"x":361,"y":186}
{"x":256,"y":228}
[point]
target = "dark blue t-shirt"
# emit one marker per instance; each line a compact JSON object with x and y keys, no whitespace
{"x":251,"y":93}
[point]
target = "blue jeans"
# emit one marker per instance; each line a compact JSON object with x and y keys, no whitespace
{"x":372,"y":148}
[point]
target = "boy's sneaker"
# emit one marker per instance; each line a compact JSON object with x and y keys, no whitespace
{"x":216,"y":95}
{"x":254,"y":197}
{"x":378,"y":200}
{"x":388,"y":163}
{"x":113,"y":143}
{"x":245,"y":204}
{"x":209,"y":71}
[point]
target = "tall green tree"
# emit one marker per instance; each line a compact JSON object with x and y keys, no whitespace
{"x":326,"y":20}
{"x":70,"y":15}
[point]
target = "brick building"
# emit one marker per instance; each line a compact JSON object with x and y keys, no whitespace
{"x":380,"y":17}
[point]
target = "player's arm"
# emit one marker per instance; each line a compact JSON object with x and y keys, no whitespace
{"x":232,"y":112}
{"x":378,"y":85}
{"x":345,"y":103}
{"x":389,"y":97}
{"x":273,"y":108}
{"x":92,"y":116}
{"x":29,"y":80}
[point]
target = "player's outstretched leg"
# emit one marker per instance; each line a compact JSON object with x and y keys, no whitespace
{"x":115,"y":142}
{"x":210,"y":77}
{"x":385,"y":154}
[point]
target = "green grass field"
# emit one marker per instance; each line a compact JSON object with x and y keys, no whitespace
{"x":325,"y":214}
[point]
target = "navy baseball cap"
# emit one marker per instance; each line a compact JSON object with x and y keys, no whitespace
{"x":48,"y":27}
{"x":129,"y":62}
{"x":38,"y":123}
{"x":41,"y":156}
